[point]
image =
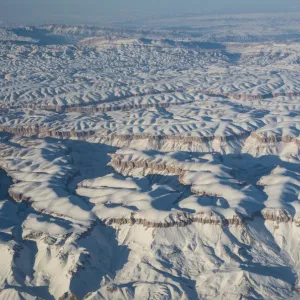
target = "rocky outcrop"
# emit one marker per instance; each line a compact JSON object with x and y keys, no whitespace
{"x":195,"y":190}
{"x":124,"y":107}
{"x":211,"y":218}
{"x":155,"y":141}
{"x":275,"y":139}
{"x":159,"y":142}
{"x":104,"y":105}
{"x":34,"y":235}
{"x":241,"y":96}
{"x":276,"y":215}
{"x":179,"y":220}
{"x":68,"y":296}
{"x":18,"y":197}
{"x":146,"y":167}
{"x":35,"y":130}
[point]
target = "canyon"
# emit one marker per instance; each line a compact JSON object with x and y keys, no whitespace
{"x":154,"y":163}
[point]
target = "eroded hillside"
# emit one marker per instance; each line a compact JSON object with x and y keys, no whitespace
{"x":148,"y":164}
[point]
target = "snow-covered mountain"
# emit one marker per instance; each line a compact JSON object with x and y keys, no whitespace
{"x":160,"y":163}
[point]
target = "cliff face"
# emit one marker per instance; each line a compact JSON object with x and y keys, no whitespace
{"x":195,"y":174}
{"x":248,"y":142}
{"x":118,"y":103}
{"x":277,"y":216}
{"x":274,"y":139}
{"x":178,"y":220}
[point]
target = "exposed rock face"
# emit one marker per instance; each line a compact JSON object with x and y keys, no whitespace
{"x":97,"y":107}
{"x":155,"y":142}
{"x":251,"y":97}
{"x":181,"y":220}
{"x":277,"y":215}
{"x":120,"y":164}
{"x":18,"y":196}
{"x":68,"y":296}
{"x":273,"y":139}
{"x":274,"y":215}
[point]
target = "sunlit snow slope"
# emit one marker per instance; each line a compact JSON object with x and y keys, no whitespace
{"x":150,"y":164}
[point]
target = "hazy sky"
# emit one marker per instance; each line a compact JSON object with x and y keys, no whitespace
{"x":81,"y":11}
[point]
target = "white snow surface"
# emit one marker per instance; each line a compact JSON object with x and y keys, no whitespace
{"x":151,"y":164}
